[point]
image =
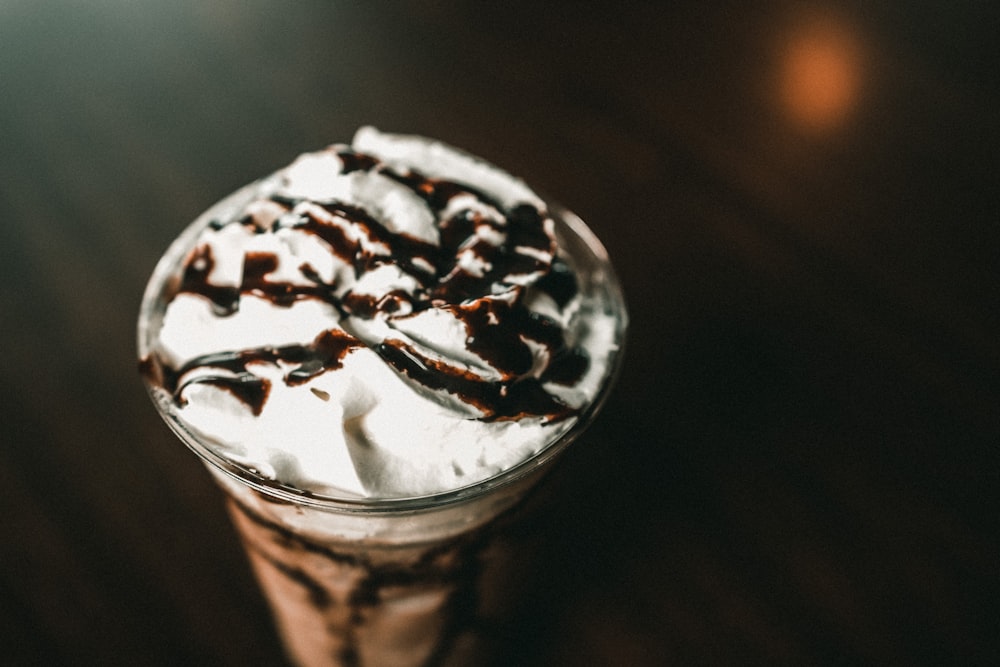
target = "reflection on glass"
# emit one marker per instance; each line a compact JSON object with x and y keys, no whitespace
{"x":820,"y":73}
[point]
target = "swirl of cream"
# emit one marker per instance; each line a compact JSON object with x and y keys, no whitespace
{"x":443,"y":264}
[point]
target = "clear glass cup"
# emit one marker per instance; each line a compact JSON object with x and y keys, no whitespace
{"x":402,"y":581}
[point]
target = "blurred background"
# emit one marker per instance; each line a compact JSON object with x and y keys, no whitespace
{"x":800,"y":462}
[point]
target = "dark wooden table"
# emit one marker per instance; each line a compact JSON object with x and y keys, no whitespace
{"x":800,"y":464}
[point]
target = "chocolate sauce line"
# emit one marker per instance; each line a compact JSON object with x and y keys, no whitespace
{"x":438,"y":192}
{"x":456,"y":562}
{"x":326,"y":352}
{"x":499,"y":401}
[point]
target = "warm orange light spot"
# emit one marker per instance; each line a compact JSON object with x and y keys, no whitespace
{"x":820,"y":75}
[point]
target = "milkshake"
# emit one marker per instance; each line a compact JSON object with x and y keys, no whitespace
{"x":377,"y":351}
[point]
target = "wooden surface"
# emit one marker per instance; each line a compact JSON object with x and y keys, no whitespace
{"x":800,"y":462}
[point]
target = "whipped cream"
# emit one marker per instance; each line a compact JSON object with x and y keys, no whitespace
{"x":384,"y":319}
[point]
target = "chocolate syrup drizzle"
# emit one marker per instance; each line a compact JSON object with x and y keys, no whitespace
{"x":325,"y":353}
{"x":455,"y":564}
{"x":490,"y":305}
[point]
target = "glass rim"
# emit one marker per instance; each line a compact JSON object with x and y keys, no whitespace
{"x":165,"y":272}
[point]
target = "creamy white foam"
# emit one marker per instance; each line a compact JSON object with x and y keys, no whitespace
{"x":328,"y":337}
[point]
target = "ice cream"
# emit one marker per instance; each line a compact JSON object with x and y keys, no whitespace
{"x":389,"y":318}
